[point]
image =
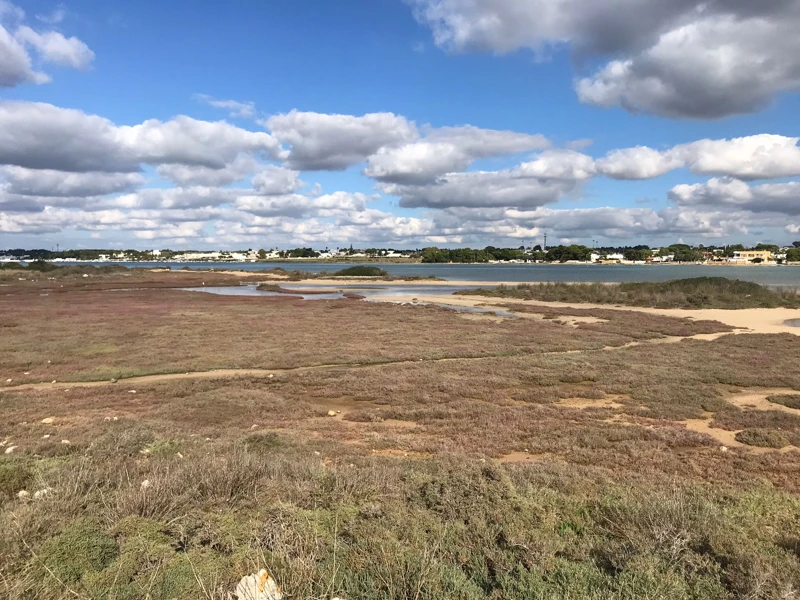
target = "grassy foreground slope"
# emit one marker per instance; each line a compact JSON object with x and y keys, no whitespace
{"x":699,"y":292}
{"x":465,"y":459}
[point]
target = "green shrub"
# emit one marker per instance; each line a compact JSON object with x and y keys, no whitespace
{"x":80,"y":549}
{"x":361,"y":271}
{"x":15,"y":475}
{"x":41,"y":266}
{"x":763,"y":438}
{"x":11,"y":266}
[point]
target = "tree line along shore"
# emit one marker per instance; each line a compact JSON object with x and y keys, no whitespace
{"x":674,"y":253}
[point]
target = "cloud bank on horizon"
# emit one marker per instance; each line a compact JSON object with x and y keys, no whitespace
{"x":378,"y":178}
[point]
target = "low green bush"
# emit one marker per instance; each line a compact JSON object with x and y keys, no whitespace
{"x":11,"y":266}
{"x":763,"y":438}
{"x":41,"y":266}
{"x":15,"y":475}
{"x":361,"y":271}
{"x":80,"y":549}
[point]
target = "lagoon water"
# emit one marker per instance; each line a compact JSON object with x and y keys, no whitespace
{"x":767,"y":275}
{"x":370,"y":294}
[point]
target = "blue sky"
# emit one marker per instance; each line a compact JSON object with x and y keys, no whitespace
{"x":408,"y":122}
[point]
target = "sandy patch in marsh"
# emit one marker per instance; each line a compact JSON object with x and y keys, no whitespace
{"x":584,"y":403}
{"x":723,"y":436}
{"x":525,"y":457}
{"x":747,"y":320}
{"x":756,"y":399}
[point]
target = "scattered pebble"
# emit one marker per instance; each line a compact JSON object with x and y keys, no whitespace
{"x":48,"y":421}
{"x":113,"y":380}
{"x":723,"y":449}
{"x":66,"y":442}
{"x":11,"y":449}
{"x":270,"y":376}
{"x":316,"y":453}
{"x":131,"y":391}
{"x":179,"y":455}
{"x":145,"y":484}
{"x":54,"y":381}
{"x":23,"y":494}
{"x":331,"y":413}
{"x":46,"y":436}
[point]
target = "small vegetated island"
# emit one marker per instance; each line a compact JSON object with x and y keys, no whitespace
{"x":698,"y":292}
{"x":356,"y":272}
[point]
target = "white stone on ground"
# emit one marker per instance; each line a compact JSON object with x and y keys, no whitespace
{"x":258,"y":586}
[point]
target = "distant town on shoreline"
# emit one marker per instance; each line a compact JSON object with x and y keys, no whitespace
{"x":765,"y":254}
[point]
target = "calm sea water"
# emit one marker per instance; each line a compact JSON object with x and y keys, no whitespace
{"x":768,"y":275}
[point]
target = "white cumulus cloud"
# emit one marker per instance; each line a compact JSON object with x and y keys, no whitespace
{"x":43,"y":136}
{"x":447,"y":150}
{"x":335,"y":142}
{"x":21,"y":46}
{"x":682,"y":58}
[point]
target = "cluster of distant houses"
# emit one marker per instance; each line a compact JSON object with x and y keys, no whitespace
{"x":716,"y":256}
{"x":232,"y":256}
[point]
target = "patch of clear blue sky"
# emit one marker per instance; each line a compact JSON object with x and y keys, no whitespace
{"x":351,"y":57}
